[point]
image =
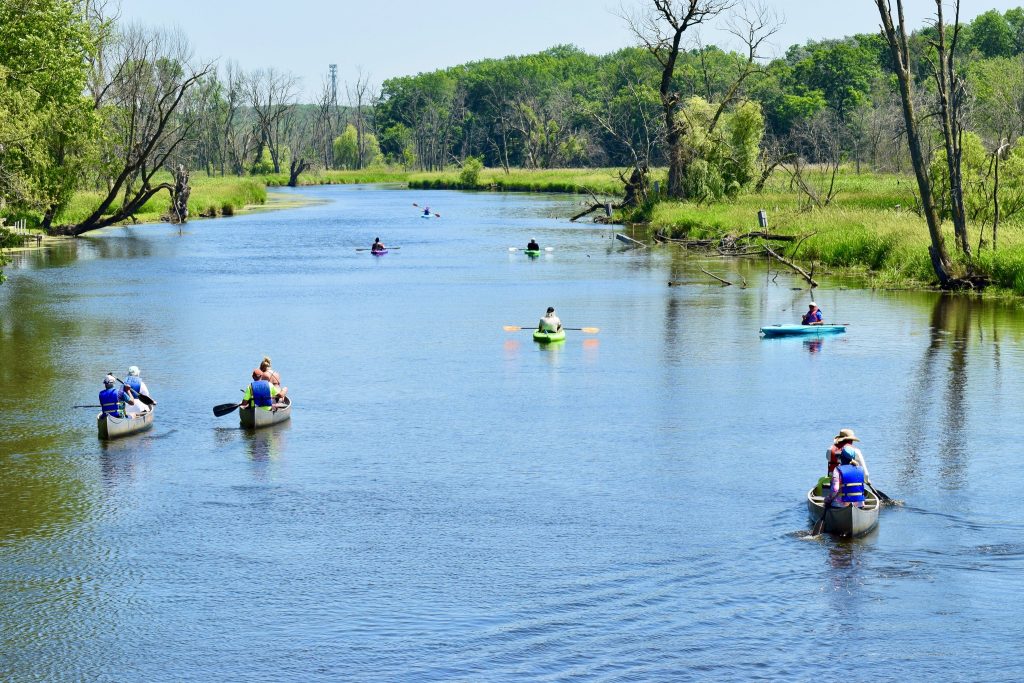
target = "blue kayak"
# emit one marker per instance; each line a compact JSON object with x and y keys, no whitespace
{"x":801,"y":330}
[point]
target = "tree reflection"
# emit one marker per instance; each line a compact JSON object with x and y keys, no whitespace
{"x":942,"y":382}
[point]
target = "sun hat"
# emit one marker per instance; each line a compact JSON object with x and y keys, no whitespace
{"x":845,"y":435}
{"x":551,"y":309}
{"x":812,"y":305}
{"x":134,"y":370}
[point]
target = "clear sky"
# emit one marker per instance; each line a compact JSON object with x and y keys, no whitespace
{"x":401,"y":37}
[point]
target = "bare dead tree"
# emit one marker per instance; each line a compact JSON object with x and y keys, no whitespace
{"x":896,"y":37}
{"x":140,"y":81}
{"x":271,"y":95}
{"x":951,"y":94}
{"x":359,"y":95}
{"x":660,"y":30}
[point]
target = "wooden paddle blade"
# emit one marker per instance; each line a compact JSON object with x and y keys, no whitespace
{"x":512,"y":328}
{"x":225,"y":408}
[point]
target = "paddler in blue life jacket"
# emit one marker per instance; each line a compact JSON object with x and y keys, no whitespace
{"x":262,"y":393}
{"x":812,"y":316}
{"x":113,"y":400}
{"x":848,"y":481}
{"x":550,"y":322}
{"x":134,"y":380}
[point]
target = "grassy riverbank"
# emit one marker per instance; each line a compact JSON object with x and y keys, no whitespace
{"x":869,"y":228}
{"x":600,"y":181}
{"x":225,"y":195}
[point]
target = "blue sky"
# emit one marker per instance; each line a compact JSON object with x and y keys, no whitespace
{"x":399,"y":37}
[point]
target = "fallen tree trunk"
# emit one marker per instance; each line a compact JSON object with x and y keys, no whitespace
{"x":792,"y":265}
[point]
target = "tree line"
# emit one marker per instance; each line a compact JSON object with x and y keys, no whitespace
{"x":90,"y":102}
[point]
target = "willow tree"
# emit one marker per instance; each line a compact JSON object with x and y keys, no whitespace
{"x":661,"y":31}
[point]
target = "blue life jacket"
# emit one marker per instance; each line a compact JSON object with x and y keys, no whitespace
{"x":134,"y":382}
{"x":110,"y":402}
{"x":851,"y":484}
{"x":261,"y":394}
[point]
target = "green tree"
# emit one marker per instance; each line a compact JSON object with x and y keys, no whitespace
{"x":46,"y":124}
{"x":841,"y":71}
{"x":991,"y":35}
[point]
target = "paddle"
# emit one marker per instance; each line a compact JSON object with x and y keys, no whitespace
{"x":516,"y":328}
{"x":225,"y":408}
{"x":436,"y":215}
{"x":518,"y":249}
{"x":881,"y":495}
{"x":820,"y":524}
{"x":145,"y":399}
{"x":371,"y":249}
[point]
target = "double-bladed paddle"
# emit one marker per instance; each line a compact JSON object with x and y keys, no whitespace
{"x":371,"y":248}
{"x":516,"y":328}
{"x":436,"y":215}
{"x":521,"y":249}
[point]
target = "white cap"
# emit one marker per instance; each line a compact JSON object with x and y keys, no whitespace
{"x":813,"y":304}
{"x":109,"y":379}
{"x":133,"y":370}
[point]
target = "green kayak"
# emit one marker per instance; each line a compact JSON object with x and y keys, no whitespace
{"x":532,"y":252}
{"x":546,"y":337}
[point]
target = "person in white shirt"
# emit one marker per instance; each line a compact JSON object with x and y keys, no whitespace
{"x":550,"y":322}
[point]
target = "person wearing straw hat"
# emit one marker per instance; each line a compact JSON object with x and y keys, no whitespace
{"x":812,"y":316}
{"x":843,"y":443}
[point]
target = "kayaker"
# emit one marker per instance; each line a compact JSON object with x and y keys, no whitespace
{"x":848,"y":481}
{"x":533,"y":246}
{"x":426,"y":210}
{"x":377,"y":245}
{"x":113,"y":400}
{"x":134,"y":380}
{"x":263,"y":394}
{"x":550,"y":322}
{"x":812,"y":316}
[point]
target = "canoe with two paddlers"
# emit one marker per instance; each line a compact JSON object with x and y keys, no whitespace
{"x":254,"y":417}
{"x":113,"y":427}
{"x":844,"y":521}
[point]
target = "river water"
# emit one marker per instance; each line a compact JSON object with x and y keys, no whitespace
{"x":454,"y":502}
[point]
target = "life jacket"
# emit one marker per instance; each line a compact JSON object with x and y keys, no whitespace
{"x":833,"y":458}
{"x":110,"y":402}
{"x":851,"y":484}
{"x":812,"y":317}
{"x":261,"y":394}
{"x":134,"y":382}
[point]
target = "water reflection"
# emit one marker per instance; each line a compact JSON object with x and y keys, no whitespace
{"x":943,"y":385}
{"x":264,"y":448}
{"x":813,"y":345}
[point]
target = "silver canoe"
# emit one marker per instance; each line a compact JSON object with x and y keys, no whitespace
{"x":254,"y":418}
{"x":111,"y":427}
{"x":847,"y":521}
